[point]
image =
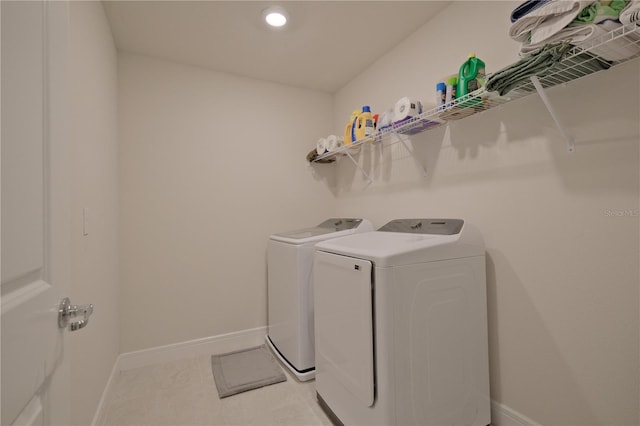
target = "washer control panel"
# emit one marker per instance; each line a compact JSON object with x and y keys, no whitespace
{"x":340,"y":224}
{"x":424,"y":226}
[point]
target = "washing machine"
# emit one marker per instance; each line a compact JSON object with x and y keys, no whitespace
{"x":290,"y":291}
{"x":401,"y":325}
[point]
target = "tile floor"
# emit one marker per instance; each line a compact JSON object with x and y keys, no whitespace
{"x":184,"y":393}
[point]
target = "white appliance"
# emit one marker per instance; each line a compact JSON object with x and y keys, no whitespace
{"x":401,"y":325}
{"x":290,"y":291}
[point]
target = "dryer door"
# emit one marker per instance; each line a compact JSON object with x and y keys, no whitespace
{"x":344,"y":326}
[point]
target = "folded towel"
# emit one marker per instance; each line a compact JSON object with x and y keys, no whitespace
{"x":599,"y":12}
{"x":554,"y":24}
{"x":546,"y":20}
{"x":618,"y":49}
{"x":526,"y":8}
{"x":568,"y":34}
{"x":591,"y":36}
{"x":631,"y":13}
{"x":546,"y":62}
{"x":513,"y":75}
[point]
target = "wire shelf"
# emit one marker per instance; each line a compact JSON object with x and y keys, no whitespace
{"x":604,"y":52}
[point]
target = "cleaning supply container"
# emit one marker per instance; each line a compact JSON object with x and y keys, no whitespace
{"x":471,"y":77}
{"x":364,"y":125}
{"x":441,"y":94}
{"x":452,"y":83}
{"x":385,"y":120}
{"x":348,"y":129}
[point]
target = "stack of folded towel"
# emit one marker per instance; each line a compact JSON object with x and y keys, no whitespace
{"x":544,"y":62}
{"x":526,"y":8}
{"x":631,"y":13}
{"x":583,"y":23}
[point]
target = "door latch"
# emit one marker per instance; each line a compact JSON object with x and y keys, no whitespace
{"x":67,"y":312}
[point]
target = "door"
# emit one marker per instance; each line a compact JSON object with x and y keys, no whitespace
{"x":35,"y":217}
{"x":344,"y":329}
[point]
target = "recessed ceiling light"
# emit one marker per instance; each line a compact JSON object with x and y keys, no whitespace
{"x":275,"y":17}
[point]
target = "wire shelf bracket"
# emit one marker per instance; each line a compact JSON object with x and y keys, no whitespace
{"x":413,"y":155}
{"x":554,"y":114}
{"x":359,"y":167}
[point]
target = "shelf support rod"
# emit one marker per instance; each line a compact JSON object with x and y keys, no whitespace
{"x":543,"y":95}
{"x":358,"y":166}
{"x":413,"y":155}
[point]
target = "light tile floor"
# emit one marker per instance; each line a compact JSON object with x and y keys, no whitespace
{"x":184,"y":393}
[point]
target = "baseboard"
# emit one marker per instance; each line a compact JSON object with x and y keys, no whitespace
{"x":207,"y":345}
{"x":106,"y":394}
{"x":501,"y":415}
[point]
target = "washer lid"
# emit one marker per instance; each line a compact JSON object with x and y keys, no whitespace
{"x":388,"y":248}
{"x":330,"y":228}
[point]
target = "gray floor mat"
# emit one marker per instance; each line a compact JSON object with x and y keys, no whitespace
{"x":244,"y":370}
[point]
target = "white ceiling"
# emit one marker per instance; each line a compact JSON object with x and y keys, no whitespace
{"x":326,"y":44}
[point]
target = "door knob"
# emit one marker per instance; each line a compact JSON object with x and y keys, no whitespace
{"x":67,"y":312}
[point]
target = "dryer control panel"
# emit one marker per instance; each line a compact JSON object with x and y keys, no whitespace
{"x":424,"y":226}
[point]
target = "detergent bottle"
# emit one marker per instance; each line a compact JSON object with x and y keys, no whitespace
{"x":471,"y":77}
{"x":364,"y":125}
{"x":348,"y":129}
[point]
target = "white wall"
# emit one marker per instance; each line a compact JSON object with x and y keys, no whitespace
{"x":211,"y":165}
{"x":94,"y":271}
{"x":561,"y":229}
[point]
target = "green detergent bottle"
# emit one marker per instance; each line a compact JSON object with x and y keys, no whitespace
{"x":471,"y":77}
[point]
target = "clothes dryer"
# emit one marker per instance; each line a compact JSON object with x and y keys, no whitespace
{"x":401,"y":325}
{"x":290,"y":290}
